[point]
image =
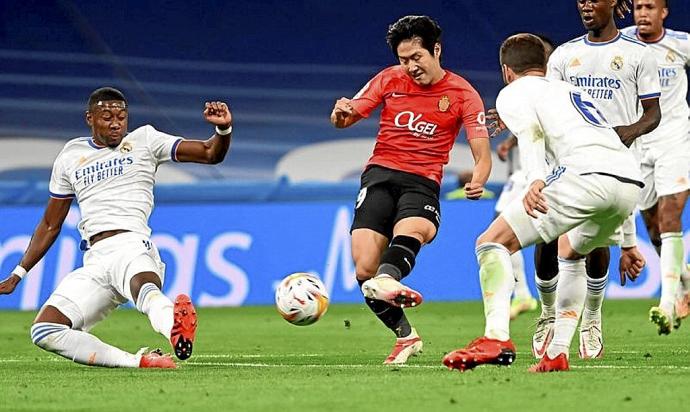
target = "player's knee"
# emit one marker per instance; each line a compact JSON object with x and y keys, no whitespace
{"x":45,"y":334}
{"x":598,"y":263}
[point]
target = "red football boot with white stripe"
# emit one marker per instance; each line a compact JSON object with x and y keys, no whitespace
{"x":404,"y":348}
{"x":184,"y":327}
{"x":156,"y":359}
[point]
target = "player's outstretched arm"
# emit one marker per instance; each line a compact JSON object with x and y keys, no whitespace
{"x":481,"y":151}
{"x":44,"y":235}
{"x":213,"y":150}
{"x":649,"y":121}
{"x":343,"y":114}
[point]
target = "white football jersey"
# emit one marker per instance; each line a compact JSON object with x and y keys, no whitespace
{"x":672,"y":54}
{"x":616,"y":74}
{"x":561,"y":123}
{"x":114,"y":186}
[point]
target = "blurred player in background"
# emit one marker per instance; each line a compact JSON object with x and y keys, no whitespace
{"x":397,"y":210}
{"x":665,"y":155}
{"x":111,"y":174}
{"x":515,"y":187}
{"x":593,"y":188}
{"x":618,"y":72}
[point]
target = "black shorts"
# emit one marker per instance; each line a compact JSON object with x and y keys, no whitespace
{"x":387,"y":196}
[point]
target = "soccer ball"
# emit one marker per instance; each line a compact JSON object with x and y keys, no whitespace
{"x":301,"y":299}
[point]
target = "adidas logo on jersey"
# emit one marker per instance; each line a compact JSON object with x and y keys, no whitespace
{"x":575,"y":62}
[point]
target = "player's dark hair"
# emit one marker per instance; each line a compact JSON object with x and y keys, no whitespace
{"x":523,"y":52}
{"x":104,"y":94}
{"x":409,"y":27}
{"x":546,"y":40}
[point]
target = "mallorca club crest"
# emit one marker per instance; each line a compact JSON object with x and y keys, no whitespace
{"x":126,"y":147}
{"x":617,"y":63}
{"x":444,"y":104}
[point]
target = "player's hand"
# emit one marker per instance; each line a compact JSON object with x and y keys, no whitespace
{"x":623,"y":8}
{"x":8,"y":285}
{"x":494,"y":123}
{"x":534,"y":199}
{"x":631,"y":264}
{"x":502,"y":150}
{"x":218,"y":114}
{"x":473,"y":191}
{"x":342,"y":110}
{"x":626,"y":134}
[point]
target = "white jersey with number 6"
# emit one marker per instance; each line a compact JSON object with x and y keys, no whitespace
{"x":616,"y":74}
{"x":555,"y":120}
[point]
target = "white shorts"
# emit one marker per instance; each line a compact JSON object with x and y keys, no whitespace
{"x":88,"y":294}
{"x":665,"y":171}
{"x":589,"y":208}
{"x":515,"y":187}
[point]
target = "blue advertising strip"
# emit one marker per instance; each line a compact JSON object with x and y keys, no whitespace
{"x":234,"y":254}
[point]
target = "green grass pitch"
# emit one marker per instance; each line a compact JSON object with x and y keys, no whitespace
{"x":249,"y":359}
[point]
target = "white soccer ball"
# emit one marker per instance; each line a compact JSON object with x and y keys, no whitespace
{"x":301,"y":299}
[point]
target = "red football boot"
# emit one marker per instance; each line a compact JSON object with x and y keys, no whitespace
{"x":184,"y":327}
{"x":156,"y":359}
{"x":481,"y":351}
{"x":546,"y":364}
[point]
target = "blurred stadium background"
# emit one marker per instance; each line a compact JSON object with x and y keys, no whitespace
{"x":289,"y":175}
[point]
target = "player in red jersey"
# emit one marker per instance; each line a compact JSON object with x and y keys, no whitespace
{"x":397,"y":210}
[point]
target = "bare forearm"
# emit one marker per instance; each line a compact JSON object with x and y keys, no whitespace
{"x":43,"y":238}
{"x":217,"y":147}
{"x":482,"y":170}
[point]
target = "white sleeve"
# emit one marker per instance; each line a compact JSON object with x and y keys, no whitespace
{"x":629,"y":232}
{"x":60,"y":186}
{"x":520,"y":117}
{"x":554,"y":68}
{"x":163,"y":146}
{"x":648,"y":84}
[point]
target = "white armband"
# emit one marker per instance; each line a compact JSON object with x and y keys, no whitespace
{"x":223,"y":132}
{"x":19,"y":271}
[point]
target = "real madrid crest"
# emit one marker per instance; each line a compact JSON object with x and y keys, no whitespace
{"x":671,"y":56}
{"x":126,"y":147}
{"x":444,"y":104}
{"x":617,"y":63}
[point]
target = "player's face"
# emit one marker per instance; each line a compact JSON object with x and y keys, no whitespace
{"x":649,"y":16}
{"x":595,"y":14}
{"x":108,"y":121}
{"x":423,"y":67}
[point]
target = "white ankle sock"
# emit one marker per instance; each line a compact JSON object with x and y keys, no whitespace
{"x":570,"y":298}
{"x":547,"y":295}
{"x":596,"y":289}
{"x":497,"y":281}
{"x":80,"y":347}
{"x":521,"y":289}
{"x":158,"y":307}
{"x":672,"y":259}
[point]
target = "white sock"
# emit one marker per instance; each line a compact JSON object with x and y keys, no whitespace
{"x":596,"y":289}
{"x":497,"y":281}
{"x":521,"y":288}
{"x":158,"y":307}
{"x":80,"y":347}
{"x":547,"y":295}
{"x":570,"y":298}
{"x":672,"y":260}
